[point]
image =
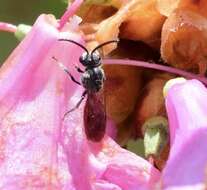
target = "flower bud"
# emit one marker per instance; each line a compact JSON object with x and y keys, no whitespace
{"x":155,"y":135}
{"x":22,"y":31}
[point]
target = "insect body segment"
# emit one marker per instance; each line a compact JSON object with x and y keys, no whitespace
{"x":95,"y":116}
{"x":92,"y":80}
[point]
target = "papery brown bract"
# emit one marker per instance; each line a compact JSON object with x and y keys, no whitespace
{"x":151,"y":101}
{"x":143,"y":24}
{"x":122,"y":87}
{"x":183,"y":43}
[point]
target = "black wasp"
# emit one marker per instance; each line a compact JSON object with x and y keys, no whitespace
{"x":92,"y":80}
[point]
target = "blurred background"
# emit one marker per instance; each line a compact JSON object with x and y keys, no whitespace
{"x":25,"y":12}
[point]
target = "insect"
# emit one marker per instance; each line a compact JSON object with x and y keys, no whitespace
{"x":92,"y":80}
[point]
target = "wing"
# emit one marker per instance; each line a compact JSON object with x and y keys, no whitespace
{"x":95,"y":116}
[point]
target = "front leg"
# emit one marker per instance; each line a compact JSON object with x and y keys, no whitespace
{"x":79,"y":69}
{"x":67,"y":71}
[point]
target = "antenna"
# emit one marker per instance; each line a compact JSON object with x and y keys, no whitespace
{"x":101,"y":45}
{"x":78,"y":44}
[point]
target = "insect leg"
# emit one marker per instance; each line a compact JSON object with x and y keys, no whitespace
{"x":71,"y":76}
{"x":77,"y":105}
{"x":79,"y":70}
{"x":66,"y":70}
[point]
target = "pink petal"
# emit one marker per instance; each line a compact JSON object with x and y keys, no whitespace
{"x":126,"y":169}
{"x":71,"y":10}
{"x":187,"y":109}
{"x":7,"y":27}
{"x":33,"y":98}
{"x":104,"y":185}
{"x":105,"y":161}
{"x":187,"y":167}
{"x":111,"y":129}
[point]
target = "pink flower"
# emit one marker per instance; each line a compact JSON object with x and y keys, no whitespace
{"x":186,"y":167}
{"x":37,"y":149}
{"x":103,"y":165}
{"x":33,"y":97}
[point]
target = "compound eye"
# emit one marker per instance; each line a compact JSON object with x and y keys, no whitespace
{"x":96,"y":57}
{"x":81,"y":59}
{"x":84,"y":58}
